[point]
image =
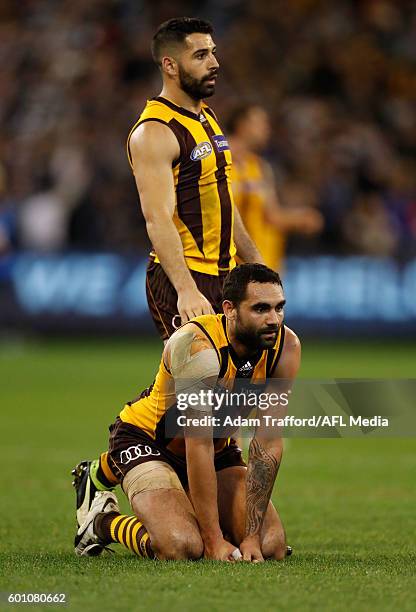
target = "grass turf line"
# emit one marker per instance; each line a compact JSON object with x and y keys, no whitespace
{"x":348,"y":505}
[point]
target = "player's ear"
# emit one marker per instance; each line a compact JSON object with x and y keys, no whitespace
{"x":229,"y":309}
{"x":169,"y":66}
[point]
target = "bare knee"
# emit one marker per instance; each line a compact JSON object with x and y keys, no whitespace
{"x":274,"y":546}
{"x":179,"y":546}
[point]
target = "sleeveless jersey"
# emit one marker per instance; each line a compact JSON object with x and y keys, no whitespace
{"x":203,"y":213}
{"x":249,"y":195}
{"x":157,"y":405}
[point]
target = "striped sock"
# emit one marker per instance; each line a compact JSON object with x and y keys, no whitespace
{"x":126,"y":530}
{"x":101,"y":474}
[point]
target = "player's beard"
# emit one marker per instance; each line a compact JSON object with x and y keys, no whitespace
{"x":197,"y":89}
{"x":254,"y":339}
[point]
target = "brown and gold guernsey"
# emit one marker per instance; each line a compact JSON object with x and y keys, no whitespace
{"x":156,"y":406}
{"x":203,"y":214}
{"x":250,"y":198}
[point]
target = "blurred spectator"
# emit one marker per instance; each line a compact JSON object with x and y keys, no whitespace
{"x":401,"y":203}
{"x":42,"y":222}
{"x":7,"y":217}
{"x":368,"y":228}
{"x":338,"y":80}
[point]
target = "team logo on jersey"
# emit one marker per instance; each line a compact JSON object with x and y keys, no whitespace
{"x":201,"y":151}
{"x":221,"y":142}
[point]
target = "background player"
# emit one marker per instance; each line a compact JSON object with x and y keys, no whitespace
{"x":267,"y":222}
{"x":187,"y":491}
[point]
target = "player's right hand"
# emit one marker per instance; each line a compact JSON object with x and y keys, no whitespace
{"x":192,"y":303}
{"x":221,"y":550}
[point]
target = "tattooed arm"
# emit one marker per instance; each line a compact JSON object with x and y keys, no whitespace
{"x":263,"y":465}
{"x":265,"y":455}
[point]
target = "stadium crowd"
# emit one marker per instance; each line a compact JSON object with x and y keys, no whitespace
{"x":338,"y":80}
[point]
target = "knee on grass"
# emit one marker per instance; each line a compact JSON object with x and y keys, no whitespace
{"x":179,"y":546}
{"x":274,"y":547}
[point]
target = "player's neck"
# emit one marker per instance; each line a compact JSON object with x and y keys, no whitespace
{"x":239,"y":348}
{"x":181,"y":98}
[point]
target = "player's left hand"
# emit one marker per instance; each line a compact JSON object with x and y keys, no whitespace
{"x":250,"y":549}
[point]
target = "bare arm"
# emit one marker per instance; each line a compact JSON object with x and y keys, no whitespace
{"x":302,"y":219}
{"x":263,"y":465}
{"x":246,"y":249}
{"x":195,"y":367}
{"x":203,"y":492}
{"x":265,"y":455}
{"x":203,"y":487}
{"x":152,"y":164}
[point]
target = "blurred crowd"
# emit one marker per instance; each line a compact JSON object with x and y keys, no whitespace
{"x":338,"y":79}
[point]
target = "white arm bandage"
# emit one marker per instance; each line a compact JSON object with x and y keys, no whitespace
{"x":192,"y":373}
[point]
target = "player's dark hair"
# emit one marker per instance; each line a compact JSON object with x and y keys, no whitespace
{"x":236,"y":115}
{"x":235,"y":284}
{"x":174,"y":32}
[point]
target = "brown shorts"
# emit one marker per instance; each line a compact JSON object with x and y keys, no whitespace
{"x":130,"y":446}
{"x":162,"y":297}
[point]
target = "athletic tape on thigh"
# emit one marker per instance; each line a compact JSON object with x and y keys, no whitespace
{"x":150,"y":476}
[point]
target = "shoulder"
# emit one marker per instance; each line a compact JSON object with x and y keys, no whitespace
{"x":265,"y":166}
{"x":157,"y":110}
{"x":209,"y":110}
{"x":187,"y":341}
{"x":291,"y":341}
{"x":200,"y":339}
{"x":290,"y":358}
{"x":154,"y":137}
{"x":212,"y":117}
{"x":151,"y":131}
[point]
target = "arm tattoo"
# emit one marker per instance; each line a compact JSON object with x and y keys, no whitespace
{"x":261,"y":474}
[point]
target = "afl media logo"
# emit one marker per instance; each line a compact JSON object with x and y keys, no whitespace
{"x":201,"y":151}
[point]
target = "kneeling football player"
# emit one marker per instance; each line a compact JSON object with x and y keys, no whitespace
{"x":191,"y":492}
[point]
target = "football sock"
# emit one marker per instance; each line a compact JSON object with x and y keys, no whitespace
{"x":102,"y":475}
{"x":126,"y":530}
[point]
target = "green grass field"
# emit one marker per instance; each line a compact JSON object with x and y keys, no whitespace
{"x":348,"y":504}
